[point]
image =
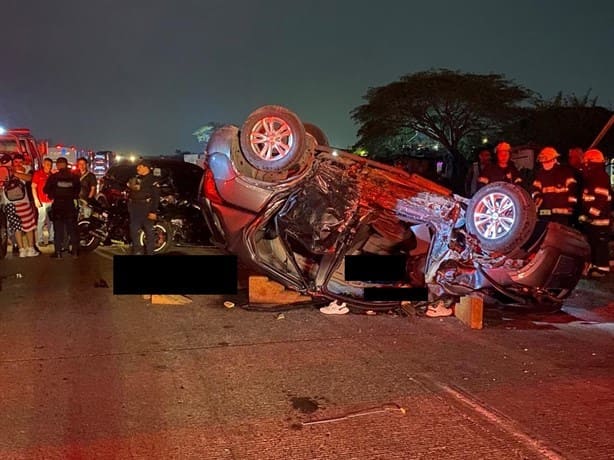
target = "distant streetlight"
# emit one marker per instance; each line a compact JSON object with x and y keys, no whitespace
{"x":484,"y":140}
{"x":2,"y":130}
{"x":132,"y":158}
{"x":118,"y":158}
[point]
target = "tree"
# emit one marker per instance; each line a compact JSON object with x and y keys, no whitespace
{"x":563,"y":122}
{"x":450,"y":107}
{"x":204,"y":132}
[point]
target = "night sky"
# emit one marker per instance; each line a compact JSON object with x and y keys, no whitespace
{"x":141,"y":75}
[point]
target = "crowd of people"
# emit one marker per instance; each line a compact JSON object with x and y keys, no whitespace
{"x":577,"y":194}
{"x":43,"y":207}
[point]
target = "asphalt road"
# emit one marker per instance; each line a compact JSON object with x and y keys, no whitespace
{"x":86,"y":374}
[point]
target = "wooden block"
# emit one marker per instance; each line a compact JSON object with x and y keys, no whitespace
{"x":470,"y":310}
{"x":263,"y":290}
{"x":168,"y":299}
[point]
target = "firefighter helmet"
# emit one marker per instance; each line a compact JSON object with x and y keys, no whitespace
{"x":503,"y":146}
{"x":593,"y":156}
{"x":547,"y":154}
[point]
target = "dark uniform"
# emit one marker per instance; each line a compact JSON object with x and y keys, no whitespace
{"x":63,"y":188}
{"x":557,"y":190}
{"x":595,"y":208}
{"x":143,"y":200}
{"x":495,"y":173}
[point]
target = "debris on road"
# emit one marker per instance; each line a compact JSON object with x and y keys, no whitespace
{"x":7,"y":277}
{"x":101,"y":283}
{"x":170,"y":299}
{"x":376,"y":410}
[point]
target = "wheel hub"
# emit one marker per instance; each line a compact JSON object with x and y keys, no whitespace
{"x":495,"y":215}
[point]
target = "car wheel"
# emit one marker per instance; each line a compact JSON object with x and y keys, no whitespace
{"x":502,"y":216}
{"x":272,"y":139}
{"x":162,"y":234}
{"x":317,"y":134}
{"x":87,"y":241}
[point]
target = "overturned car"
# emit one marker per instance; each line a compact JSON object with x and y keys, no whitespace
{"x":292,"y":208}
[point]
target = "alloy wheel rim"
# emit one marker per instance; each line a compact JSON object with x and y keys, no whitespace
{"x":271,"y":138}
{"x":494,"y":216}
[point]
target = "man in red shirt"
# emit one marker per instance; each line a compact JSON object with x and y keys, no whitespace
{"x":42,"y":202}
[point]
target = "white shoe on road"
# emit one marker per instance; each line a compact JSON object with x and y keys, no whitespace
{"x":334,"y":308}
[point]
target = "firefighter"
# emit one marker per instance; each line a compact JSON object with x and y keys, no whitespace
{"x":595,"y":208}
{"x":554,"y":188}
{"x":502,"y":169}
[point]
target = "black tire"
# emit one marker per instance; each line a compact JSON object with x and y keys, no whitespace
{"x":317,"y":134}
{"x":87,"y":241}
{"x":4,"y":235}
{"x":103,"y":201}
{"x":163,"y":234}
{"x":506,"y":230}
{"x":285,"y":144}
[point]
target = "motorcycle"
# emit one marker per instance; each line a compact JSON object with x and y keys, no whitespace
{"x":111,"y":224}
{"x":179,"y":224}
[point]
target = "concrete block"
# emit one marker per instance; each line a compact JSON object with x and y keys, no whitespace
{"x":470,"y":310}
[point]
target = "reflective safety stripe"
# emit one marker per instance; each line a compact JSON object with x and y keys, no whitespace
{"x":594,"y":211}
{"x":602,"y":191}
{"x":561,"y":211}
{"x":537,"y":184}
{"x":570,"y":181}
{"x":600,"y":222}
{"x":548,"y":212}
{"x":518,"y":180}
{"x":588,"y":198}
{"x":572,"y":199}
{"x":483,"y":180}
{"x":555,"y":189}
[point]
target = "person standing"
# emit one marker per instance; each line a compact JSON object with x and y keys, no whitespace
{"x":554,"y":188}
{"x":20,"y":213}
{"x":595,"y":208}
{"x":575,"y":157}
{"x":503,"y":170}
{"x":88,"y":186}
{"x":42,"y":202}
{"x":63,"y":188}
{"x":143,"y":201}
{"x":477,"y":167}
